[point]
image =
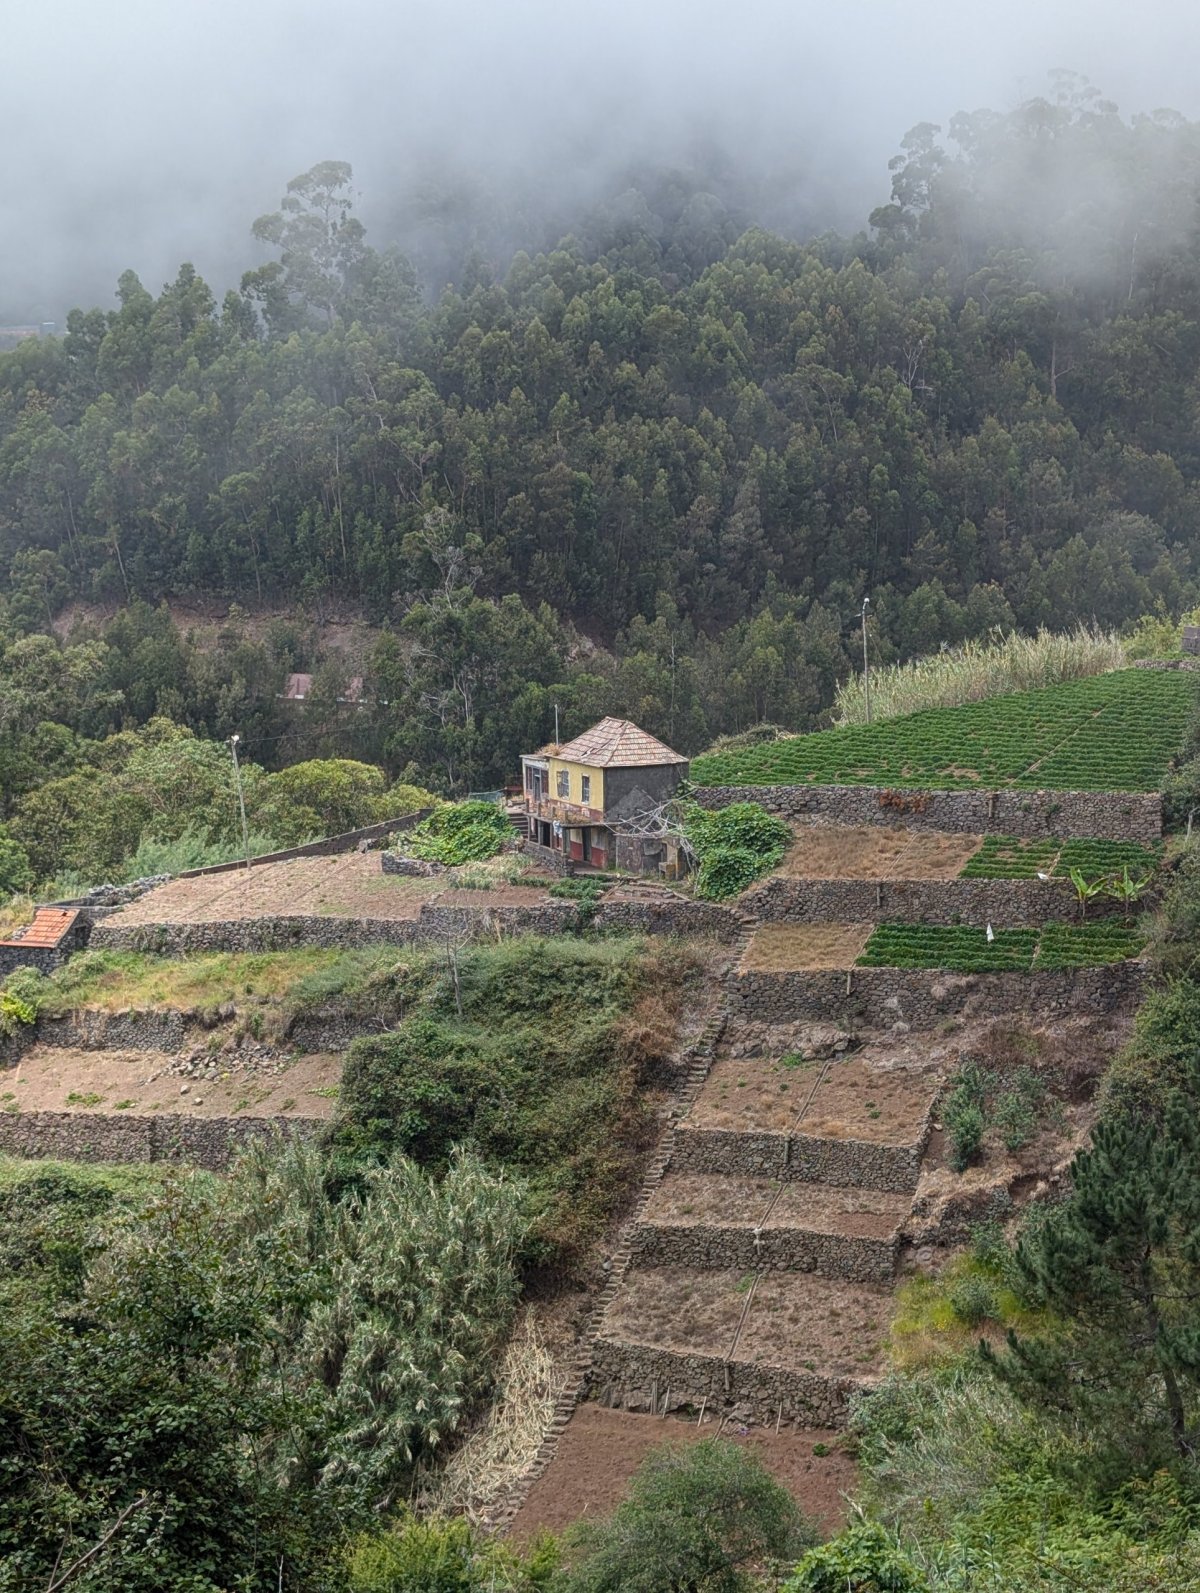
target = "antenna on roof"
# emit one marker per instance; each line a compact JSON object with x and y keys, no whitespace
{"x":556,"y":724}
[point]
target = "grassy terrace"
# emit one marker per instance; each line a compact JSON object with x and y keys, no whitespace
{"x":1114,"y":732}
{"x":958,"y":948}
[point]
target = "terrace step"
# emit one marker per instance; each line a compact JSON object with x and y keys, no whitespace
{"x":787,"y":1346}
{"x":717,"y":1222}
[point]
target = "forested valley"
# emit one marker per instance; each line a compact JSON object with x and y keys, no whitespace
{"x":654,"y":470}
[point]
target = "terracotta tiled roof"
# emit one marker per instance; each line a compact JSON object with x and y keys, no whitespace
{"x":617,"y":744}
{"x":49,"y":926}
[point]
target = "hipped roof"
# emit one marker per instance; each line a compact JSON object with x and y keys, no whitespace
{"x":617,"y":744}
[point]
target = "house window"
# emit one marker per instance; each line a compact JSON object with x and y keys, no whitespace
{"x":564,"y":783}
{"x":585,"y":789}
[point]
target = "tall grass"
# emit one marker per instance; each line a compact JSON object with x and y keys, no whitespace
{"x":980,"y":669}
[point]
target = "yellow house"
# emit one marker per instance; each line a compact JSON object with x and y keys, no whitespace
{"x":578,"y":794}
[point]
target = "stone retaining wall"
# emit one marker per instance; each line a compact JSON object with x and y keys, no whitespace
{"x":105,"y":1137}
{"x":922,"y":997}
{"x":1083,"y":815}
{"x":630,"y":1374}
{"x":856,"y":1258}
{"x":680,"y":917}
{"x":801,"y":1158}
{"x":436,"y":922}
{"x":327,"y":846}
{"x":1006,"y":903}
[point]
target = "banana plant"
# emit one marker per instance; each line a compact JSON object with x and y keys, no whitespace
{"x":1127,"y":890}
{"x":1085,"y":889}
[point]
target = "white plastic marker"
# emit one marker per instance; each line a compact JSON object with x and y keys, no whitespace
{"x":990,"y":936}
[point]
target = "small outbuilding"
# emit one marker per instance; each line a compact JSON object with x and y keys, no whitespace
{"x":583,"y":799}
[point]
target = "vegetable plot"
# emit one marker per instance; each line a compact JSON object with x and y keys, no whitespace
{"x":1114,"y":732}
{"x":960,"y":948}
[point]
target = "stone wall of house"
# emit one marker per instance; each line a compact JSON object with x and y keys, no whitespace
{"x":1103,"y":815}
{"x":113,"y":1137}
{"x":920,"y":998}
{"x":44,"y":958}
{"x":856,"y":1258}
{"x":1005,"y":903}
{"x":635,"y":1375}
{"x":801,"y":1158}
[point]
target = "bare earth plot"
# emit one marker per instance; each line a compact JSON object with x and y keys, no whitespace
{"x":601,"y":1449}
{"x":352,"y":886}
{"x":788,"y":948}
{"x":716,"y":1200}
{"x":835,"y":851}
{"x":855,"y":1099}
{"x":795,"y":1321}
{"x":138,"y":1083}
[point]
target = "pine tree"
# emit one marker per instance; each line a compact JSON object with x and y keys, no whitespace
{"x":1117,"y":1264}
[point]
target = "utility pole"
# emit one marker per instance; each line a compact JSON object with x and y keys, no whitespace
{"x":866,"y":661}
{"x":237,"y":775}
{"x":556,"y":724}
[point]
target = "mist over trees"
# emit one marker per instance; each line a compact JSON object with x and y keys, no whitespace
{"x":694,"y":443}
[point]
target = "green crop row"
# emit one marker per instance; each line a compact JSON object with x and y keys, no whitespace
{"x":1114,"y":732}
{"x":959,"y":948}
{"x":1084,"y":945}
{"x":1008,"y":857}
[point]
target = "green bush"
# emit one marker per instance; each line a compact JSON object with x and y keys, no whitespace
{"x":464,"y":832}
{"x":734,"y":846}
{"x":972,"y":1298}
{"x":15,"y":872}
{"x":698,"y":1517}
{"x":865,"y":1558}
{"x":437,"y":1555}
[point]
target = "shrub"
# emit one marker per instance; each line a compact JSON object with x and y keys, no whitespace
{"x":437,"y":1555}
{"x":865,"y":1558}
{"x":698,"y":1516}
{"x":15,"y":872}
{"x":734,"y":846}
{"x":972,"y":1298}
{"x":464,"y":832}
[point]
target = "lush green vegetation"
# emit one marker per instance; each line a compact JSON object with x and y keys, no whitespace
{"x":1114,"y":732}
{"x":1010,"y":857}
{"x":227,"y":1374}
{"x":963,"y":948}
{"x":462,"y":832}
{"x":542,"y":1055}
{"x":733,"y":846}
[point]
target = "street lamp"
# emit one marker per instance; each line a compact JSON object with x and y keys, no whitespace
{"x":866,"y":661}
{"x":237,"y":774}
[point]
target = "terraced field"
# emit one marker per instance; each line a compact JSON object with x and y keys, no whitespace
{"x":959,"y":948}
{"x":1115,"y":732}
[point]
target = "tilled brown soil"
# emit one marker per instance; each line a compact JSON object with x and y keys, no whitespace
{"x":351,"y":886}
{"x":832,"y":851}
{"x":792,"y":1320}
{"x":716,"y":1201}
{"x":600,"y":1450}
{"x":136,"y":1083}
{"x":787,"y":948}
{"x":849,"y":1098}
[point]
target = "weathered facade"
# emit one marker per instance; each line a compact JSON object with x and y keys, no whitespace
{"x":583,"y":798}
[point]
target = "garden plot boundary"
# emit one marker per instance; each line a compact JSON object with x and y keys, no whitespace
{"x":1066,"y":815}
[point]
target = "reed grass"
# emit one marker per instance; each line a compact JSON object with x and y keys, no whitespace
{"x":980,"y":669}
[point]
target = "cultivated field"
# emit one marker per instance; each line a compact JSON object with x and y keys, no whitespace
{"x":1115,"y":732}
{"x":135,"y":1083}
{"x":351,"y":886}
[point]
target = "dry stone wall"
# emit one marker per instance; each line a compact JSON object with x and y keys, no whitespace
{"x":1069,"y":815}
{"x":1005,"y":903}
{"x":857,"y":1258}
{"x":800,"y":1158}
{"x":105,"y":1137}
{"x":636,"y":1375}
{"x":919,"y":998}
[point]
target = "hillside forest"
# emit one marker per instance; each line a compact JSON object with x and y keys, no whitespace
{"x":653,"y":471}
